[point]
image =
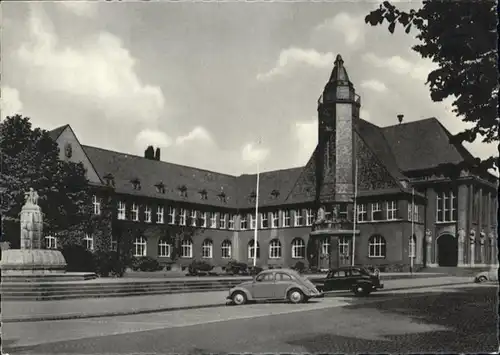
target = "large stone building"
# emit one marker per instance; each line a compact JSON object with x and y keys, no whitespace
{"x":389,"y":167}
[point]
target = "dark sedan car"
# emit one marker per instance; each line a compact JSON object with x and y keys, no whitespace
{"x":359,"y":280}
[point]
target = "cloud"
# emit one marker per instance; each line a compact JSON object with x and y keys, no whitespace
{"x":84,"y":8}
{"x":10,"y":102}
{"x":292,"y":57}
{"x":306,"y":132}
{"x":98,"y":73}
{"x":152,"y":137}
{"x":374,"y":85}
{"x":253,"y":154}
{"x":199,"y":134}
{"x":351,"y":27}
{"x":399,"y":65}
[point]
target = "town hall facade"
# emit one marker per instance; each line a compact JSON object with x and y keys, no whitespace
{"x":388,"y":169}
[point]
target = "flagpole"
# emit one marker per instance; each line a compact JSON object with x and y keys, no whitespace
{"x":355,"y":211}
{"x":256,"y":214}
{"x":412,"y":241}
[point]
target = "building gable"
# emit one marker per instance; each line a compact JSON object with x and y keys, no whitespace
{"x":304,"y":189}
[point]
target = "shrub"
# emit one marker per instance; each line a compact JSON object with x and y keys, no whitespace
{"x":109,"y":263}
{"x":145,"y":263}
{"x":78,"y":258}
{"x":236,"y":268}
{"x":254,"y":270}
{"x":199,"y":266}
{"x":299,"y":266}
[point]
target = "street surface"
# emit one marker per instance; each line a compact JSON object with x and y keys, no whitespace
{"x":446,"y":319}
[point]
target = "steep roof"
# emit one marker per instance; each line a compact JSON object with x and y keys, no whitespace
{"x":423,"y":144}
{"x":56,"y":132}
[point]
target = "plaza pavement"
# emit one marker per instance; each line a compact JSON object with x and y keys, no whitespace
{"x":21,"y":311}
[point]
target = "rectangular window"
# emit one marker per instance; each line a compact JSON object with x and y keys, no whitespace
{"x":299,"y":219}
{"x":275,"y":219}
{"x":213,"y":220}
{"x":392,"y":210}
{"x":286,"y":218}
{"x":96,"y":202}
{"x":135,"y":212}
{"x":222,"y":221}
{"x":232,"y":221}
{"x":121,"y":210}
{"x":194,"y":218}
{"x":252,"y":222}
{"x":171,"y":215}
{"x":416,"y":216}
{"x":159,"y":214}
{"x":362,"y":214}
{"x":243,"y":222}
{"x":343,"y":214}
{"x":309,"y":217}
{"x":264,"y":221}
{"x":182,"y":216}
{"x":376,"y":212}
{"x":89,"y":242}
{"x":147,"y":214}
{"x":204,"y":219}
{"x":446,"y":206}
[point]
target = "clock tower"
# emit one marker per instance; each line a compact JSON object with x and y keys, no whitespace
{"x":338,"y":106}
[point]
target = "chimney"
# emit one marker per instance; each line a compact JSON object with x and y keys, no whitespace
{"x":149,"y":153}
{"x":400,"y":118}
{"x":157,"y":154}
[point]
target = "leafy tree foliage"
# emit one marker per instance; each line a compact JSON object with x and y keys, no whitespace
{"x":30,"y":158}
{"x":461,"y":38}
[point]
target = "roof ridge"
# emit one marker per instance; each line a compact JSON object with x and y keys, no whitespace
{"x":410,"y":122}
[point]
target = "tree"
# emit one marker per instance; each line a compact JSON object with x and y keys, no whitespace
{"x":30,"y":158}
{"x":149,"y":153}
{"x":461,"y":38}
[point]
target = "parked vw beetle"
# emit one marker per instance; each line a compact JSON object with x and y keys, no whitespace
{"x":275,"y":284}
{"x":489,"y":275}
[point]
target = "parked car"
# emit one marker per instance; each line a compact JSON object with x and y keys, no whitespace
{"x":489,"y":275}
{"x":361,"y":281}
{"x":275,"y":284}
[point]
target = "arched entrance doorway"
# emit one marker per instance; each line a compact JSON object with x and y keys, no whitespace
{"x":447,"y":250}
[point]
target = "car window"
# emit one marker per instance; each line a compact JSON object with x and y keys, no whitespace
{"x":356,"y":272}
{"x":283,"y":277}
{"x":265,"y":277}
{"x":340,"y":273}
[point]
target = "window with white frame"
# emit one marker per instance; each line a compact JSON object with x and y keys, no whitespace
{"x":343,"y":214}
{"x":222,"y":221}
{"x":251,"y":249}
{"x":204,"y":219}
{"x":275,"y":219}
{"x":361,"y":212}
{"x":231,"y":222}
{"x":286,"y":218}
{"x":392,"y":210}
{"x":147,"y":214}
{"x":309,"y":217}
{"x":344,"y":247}
{"x":88,"y":239}
{"x":252,"y":222}
{"x":140,"y":246}
{"x":275,"y":249}
{"x":207,"y":249}
{"x":376,"y":247}
{"x":299,"y":218}
{"x":114,"y":243}
{"x":159,"y":214}
{"x":171,"y":215}
{"x":325,"y":246}
{"x":182,"y":216}
{"x":164,"y":248}
{"x":194,"y":218}
{"x":446,"y":210}
{"x":226,"y":249}
{"x":415,"y":215}
{"x":213,"y":219}
{"x":298,"y":248}
{"x":264,"y":221}
{"x":186,"y":248}
{"x":135,"y":212}
{"x":412,"y":247}
{"x":50,"y":242}
{"x":243,"y":222}
{"x":376,"y":212}
{"x":96,"y":202}
{"x":121,"y":210}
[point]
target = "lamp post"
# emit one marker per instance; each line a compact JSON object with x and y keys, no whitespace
{"x":412,"y":241}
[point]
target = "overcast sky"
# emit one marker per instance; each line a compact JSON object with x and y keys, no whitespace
{"x":204,"y":80}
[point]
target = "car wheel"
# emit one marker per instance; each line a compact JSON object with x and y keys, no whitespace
{"x":295,"y":296}
{"x":360,"y":290}
{"x":482,"y":279}
{"x":239,"y":298}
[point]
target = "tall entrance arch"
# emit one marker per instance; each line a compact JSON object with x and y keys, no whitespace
{"x":447,"y":250}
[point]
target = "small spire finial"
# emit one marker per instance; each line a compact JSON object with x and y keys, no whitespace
{"x":338,"y":59}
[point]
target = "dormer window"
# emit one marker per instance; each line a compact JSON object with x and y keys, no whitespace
{"x":275,"y":194}
{"x":222,"y":196}
{"x":203,"y":194}
{"x":404,"y":183}
{"x":109,"y":179}
{"x":160,"y":188}
{"x":182,"y":190}
{"x":136,"y":183}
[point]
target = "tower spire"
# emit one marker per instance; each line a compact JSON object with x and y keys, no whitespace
{"x":339,"y":73}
